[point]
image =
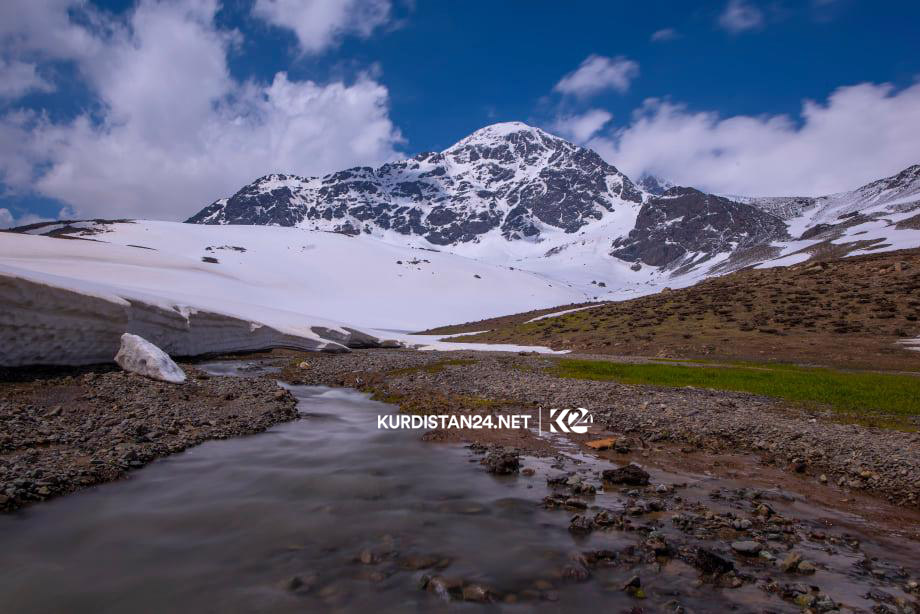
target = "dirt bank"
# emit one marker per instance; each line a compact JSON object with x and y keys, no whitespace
{"x":66,"y":429}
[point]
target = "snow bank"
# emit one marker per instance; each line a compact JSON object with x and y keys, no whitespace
{"x":44,"y":322}
{"x":138,"y":355}
{"x":194,"y":290}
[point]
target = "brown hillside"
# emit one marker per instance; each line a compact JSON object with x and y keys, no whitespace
{"x":851,"y":312}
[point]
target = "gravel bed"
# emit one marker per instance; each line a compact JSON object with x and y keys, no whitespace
{"x":66,"y":431}
{"x":854,"y":457}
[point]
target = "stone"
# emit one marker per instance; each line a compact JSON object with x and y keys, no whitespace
{"x":632,"y":475}
{"x":791,"y":562}
{"x":711,"y":563}
{"x":806,"y":567}
{"x":581,"y":525}
{"x":747,"y":547}
{"x":476,"y":593}
{"x":303,"y":365}
{"x":601,"y":444}
{"x":137,"y":355}
{"x":445,"y":587}
{"x":502,"y":462}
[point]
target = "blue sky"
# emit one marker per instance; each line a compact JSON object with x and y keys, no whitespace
{"x":155,"y":108}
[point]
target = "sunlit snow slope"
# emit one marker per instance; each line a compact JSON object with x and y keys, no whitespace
{"x":284,"y":277}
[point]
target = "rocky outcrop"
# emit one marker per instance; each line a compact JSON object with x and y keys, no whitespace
{"x":510,"y":177}
{"x":686,"y":224}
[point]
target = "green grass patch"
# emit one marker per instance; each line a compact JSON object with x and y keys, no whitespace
{"x":434,"y":367}
{"x":854,"y":393}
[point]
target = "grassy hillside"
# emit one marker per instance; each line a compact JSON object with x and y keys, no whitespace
{"x":850,"y":312}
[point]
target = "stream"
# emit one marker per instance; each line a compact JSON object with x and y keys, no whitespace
{"x":328,"y":513}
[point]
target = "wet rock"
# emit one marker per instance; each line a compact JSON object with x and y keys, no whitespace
{"x":747,"y":548}
{"x":581,"y":525}
{"x":709,"y":562}
{"x":806,"y":567}
{"x":446,"y":588}
{"x":502,"y":462}
{"x":476,"y":593}
{"x":791,"y":562}
{"x":601,"y":444}
{"x":632,"y":475}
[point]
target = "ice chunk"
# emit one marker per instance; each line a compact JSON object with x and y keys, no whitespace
{"x":138,"y":355}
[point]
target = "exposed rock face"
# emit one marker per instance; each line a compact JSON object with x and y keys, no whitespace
{"x":509,"y":185}
{"x":684,"y":221}
{"x":510,"y":177}
{"x":138,"y":355}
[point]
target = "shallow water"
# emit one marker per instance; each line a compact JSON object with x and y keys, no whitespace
{"x":224,"y":526}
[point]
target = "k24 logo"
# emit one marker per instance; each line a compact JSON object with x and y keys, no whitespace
{"x":574,"y":420}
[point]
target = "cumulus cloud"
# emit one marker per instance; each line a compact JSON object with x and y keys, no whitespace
{"x":598,"y":73}
{"x":740,"y":15}
{"x":859,"y":134}
{"x":19,"y":78}
{"x":581,"y":128}
{"x":177,"y":130}
{"x":319,"y":24}
{"x":9,"y":220}
{"x":665,"y":34}
{"x":45,"y":28}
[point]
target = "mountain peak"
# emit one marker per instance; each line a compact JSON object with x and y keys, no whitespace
{"x":505,"y":131}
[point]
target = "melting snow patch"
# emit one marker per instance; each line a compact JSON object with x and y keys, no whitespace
{"x":559,"y":313}
{"x":911,"y":344}
{"x":138,"y":355}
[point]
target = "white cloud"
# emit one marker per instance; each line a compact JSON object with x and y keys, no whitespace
{"x":740,"y":15}
{"x":580,"y":128}
{"x":8,"y":220}
{"x":45,"y":28}
{"x":859,"y":134}
{"x":319,"y":24}
{"x":665,"y":34}
{"x":19,"y":78}
{"x":178,"y":131}
{"x":598,"y":73}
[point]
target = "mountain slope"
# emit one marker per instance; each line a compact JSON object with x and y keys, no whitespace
{"x":281,"y":277}
{"x":510,"y":179}
{"x":514,"y":195}
{"x":851,"y":312}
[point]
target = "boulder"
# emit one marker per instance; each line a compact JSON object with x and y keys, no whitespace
{"x":138,"y":355}
{"x":630,"y":474}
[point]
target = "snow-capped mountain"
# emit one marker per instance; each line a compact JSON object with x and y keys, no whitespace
{"x":514,"y":195}
{"x":509,"y":179}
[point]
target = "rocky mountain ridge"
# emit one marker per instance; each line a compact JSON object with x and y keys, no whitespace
{"x":516,"y":189}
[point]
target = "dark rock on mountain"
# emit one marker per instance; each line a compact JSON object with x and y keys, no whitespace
{"x":509,"y":177}
{"x":684,"y":221}
{"x":511,"y":183}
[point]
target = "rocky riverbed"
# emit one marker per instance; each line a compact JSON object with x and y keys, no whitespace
{"x":676,"y":500}
{"x":812,"y":445}
{"x":66,"y":429}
